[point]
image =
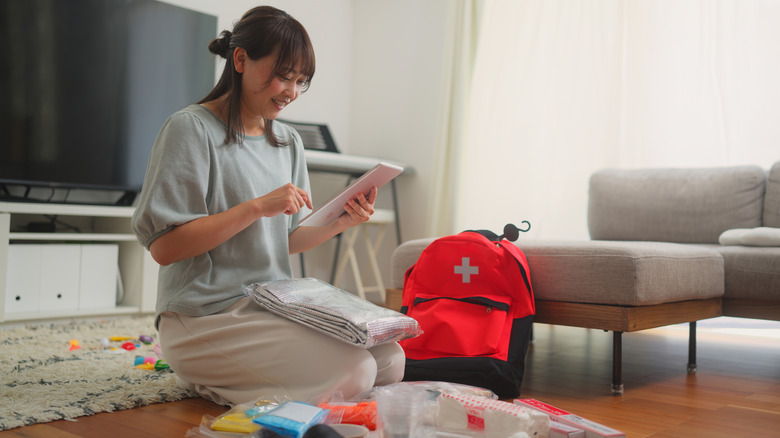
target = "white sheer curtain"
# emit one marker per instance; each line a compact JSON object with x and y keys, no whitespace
{"x":461,"y":40}
{"x":702,"y":83}
{"x":561,"y":88}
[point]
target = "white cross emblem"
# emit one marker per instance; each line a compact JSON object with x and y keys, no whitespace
{"x":465,"y":270}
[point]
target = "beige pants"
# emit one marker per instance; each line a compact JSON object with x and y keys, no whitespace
{"x":245,"y":353}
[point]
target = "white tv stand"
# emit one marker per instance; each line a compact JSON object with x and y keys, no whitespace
{"x":97,"y":224}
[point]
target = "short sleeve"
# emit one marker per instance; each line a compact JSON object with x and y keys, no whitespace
{"x":176,"y":185}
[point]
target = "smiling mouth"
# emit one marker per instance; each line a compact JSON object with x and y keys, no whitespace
{"x":280,"y":103}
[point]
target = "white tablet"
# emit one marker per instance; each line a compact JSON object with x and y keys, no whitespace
{"x":380,"y":175}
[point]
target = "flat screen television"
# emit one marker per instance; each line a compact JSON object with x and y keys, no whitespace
{"x":86,"y":86}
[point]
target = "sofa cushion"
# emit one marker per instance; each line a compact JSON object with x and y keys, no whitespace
{"x":751,"y":273}
{"x":674,"y":205}
{"x":623,"y":273}
{"x":772,"y":199}
{"x":600,"y":272}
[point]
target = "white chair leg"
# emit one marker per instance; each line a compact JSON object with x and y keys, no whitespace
{"x":373,"y":249}
{"x":361,"y":291}
{"x":350,"y":257}
{"x":349,"y":243}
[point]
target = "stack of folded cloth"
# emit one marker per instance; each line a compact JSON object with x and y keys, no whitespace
{"x":333,"y":311}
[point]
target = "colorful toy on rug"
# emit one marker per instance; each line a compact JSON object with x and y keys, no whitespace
{"x":73,"y":345}
{"x":149,"y":360}
{"x":118,"y":344}
{"x":150,"y":363}
{"x":128,"y":343}
{"x":149,"y":357}
{"x":153,"y":361}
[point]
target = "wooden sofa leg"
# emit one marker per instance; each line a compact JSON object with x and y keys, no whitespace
{"x":617,"y":363}
{"x":692,"y":347}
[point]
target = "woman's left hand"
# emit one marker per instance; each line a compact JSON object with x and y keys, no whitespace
{"x":359,"y":209}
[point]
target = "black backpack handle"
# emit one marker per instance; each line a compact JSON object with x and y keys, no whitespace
{"x":511,"y":232}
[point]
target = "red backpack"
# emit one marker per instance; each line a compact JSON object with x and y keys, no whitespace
{"x":471,"y":294}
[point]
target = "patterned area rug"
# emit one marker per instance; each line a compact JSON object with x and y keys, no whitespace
{"x":42,"y":379}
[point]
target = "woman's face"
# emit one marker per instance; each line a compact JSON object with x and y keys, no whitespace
{"x":263,"y":99}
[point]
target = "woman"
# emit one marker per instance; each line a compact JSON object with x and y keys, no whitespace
{"x":223,"y":192}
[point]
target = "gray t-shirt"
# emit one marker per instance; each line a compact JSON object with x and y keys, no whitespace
{"x":192,"y":173}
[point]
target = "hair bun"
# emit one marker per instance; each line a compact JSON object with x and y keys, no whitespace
{"x":221,"y":45}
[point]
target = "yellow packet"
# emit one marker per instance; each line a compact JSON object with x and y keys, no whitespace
{"x":234,"y":422}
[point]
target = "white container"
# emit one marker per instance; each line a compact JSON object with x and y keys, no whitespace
{"x":23,"y":280}
{"x":60,"y":277}
{"x":98,"y":276}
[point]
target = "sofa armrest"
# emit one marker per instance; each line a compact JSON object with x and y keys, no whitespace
{"x":404,"y":257}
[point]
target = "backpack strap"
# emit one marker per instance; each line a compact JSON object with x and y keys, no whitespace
{"x":487,"y":234}
{"x":516,"y":253}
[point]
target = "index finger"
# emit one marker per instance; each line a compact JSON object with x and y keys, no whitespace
{"x":306,"y":198}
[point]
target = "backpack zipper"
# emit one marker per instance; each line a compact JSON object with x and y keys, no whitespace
{"x":480,"y":301}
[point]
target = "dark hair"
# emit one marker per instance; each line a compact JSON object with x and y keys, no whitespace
{"x":262,"y":31}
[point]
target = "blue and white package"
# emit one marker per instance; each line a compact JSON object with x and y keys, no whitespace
{"x":292,"y":419}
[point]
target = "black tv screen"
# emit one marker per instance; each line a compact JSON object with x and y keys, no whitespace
{"x":87,"y":84}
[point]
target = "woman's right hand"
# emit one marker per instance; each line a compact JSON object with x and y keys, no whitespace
{"x":287,"y":199}
{"x":206,"y":233}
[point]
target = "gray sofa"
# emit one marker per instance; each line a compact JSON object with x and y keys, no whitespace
{"x":655,"y":256}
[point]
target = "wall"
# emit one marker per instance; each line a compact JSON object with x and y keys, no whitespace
{"x":398,"y":61}
{"x":397,"y":89}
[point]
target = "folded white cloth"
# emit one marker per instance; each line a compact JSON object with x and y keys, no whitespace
{"x":761,"y":236}
{"x":333,"y":311}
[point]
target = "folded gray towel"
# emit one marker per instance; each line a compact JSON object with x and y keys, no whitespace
{"x":333,"y":311}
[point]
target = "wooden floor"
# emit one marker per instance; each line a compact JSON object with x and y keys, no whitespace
{"x":735,"y":392}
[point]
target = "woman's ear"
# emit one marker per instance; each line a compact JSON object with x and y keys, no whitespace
{"x":239,"y":59}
